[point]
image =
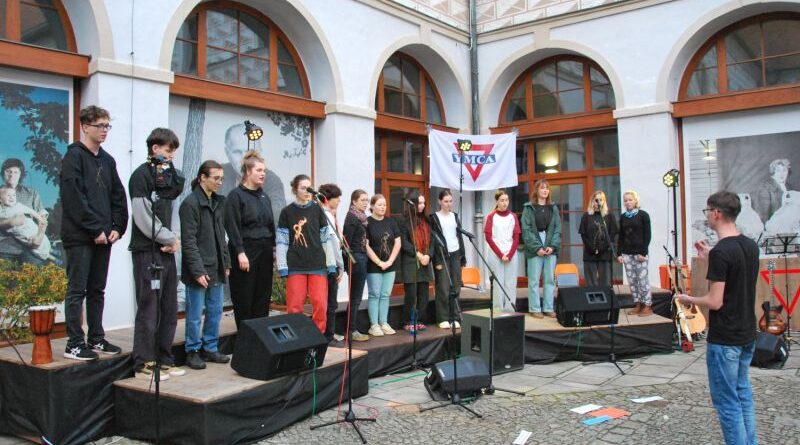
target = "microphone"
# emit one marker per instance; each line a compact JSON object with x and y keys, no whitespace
{"x":410,"y":202}
{"x":317,"y":194}
{"x":465,"y":233}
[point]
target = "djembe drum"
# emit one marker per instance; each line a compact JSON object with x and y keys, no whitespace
{"x":42,"y":320}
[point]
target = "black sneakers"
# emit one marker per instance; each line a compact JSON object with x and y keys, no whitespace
{"x":80,"y":352}
{"x":214,"y":357}
{"x":194,"y":361}
{"x":104,"y":347}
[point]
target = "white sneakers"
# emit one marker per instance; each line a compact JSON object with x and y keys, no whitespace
{"x":446,"y":325}
{"x":375,"y":331}
{"x":387,"y":329}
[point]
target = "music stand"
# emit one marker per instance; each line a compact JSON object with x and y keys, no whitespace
{"x":781,"y":243}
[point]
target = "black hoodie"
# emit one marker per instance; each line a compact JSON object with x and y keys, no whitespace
{"x":92,"y":196}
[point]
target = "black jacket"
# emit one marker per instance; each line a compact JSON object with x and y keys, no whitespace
{"x":596,"y":247}
{"x":248,"y":216}
{"x":436,"y":227}
{"x":411,"y":271}
{"x":92,"y":196}
{"x":203,"y":237}
{"x":634,"y":234}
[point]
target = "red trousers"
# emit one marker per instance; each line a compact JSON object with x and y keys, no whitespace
{"x":315,"y":287}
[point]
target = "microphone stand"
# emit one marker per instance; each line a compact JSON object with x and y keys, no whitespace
{"x":414,"y":365}
{"x":612,"y":358}
{"x":453,"y":296}
{"x":155,"y":285}
{"x":350,"y":415}
{"x":492,"y":279}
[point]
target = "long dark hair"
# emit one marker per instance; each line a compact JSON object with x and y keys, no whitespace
{"x":205,"y":170}
{"x":413,"y":196}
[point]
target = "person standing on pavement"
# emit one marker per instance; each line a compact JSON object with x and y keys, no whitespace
{"x":732,"y":275}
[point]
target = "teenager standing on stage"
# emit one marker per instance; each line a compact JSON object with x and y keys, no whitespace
{"x":415,"y":260}
{"x":95,"y":217}
{"x":304,"y":256}
{"x":541,"y":233}
{"x":154,"y":242}
{"x":633,"y":242}
{"x":596,"y":242}
{"x":331,"y":197}
{"x":205,"y":264}
{"x":732,"y":275}
{"x":251,"y":241}
{"x":445,"y":223}
{"x":383,"y":247}
{"x":355,"y":235}
{"x":502,"y":231}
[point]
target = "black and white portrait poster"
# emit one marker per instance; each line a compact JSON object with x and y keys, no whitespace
{"x":761,"y":169}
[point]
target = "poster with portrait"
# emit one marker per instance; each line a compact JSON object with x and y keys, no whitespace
{"x":211,"y":130}
{"x":35,"y":123}
{"x":760,"y":170}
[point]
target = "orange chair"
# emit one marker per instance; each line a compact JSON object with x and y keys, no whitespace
{"x":567,"y":275}
{"x":471,"y":277}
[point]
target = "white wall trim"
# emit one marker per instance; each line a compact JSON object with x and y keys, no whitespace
{"x":102,"y":65}
{"x":350,"y":110}
{"x":661,"y":107}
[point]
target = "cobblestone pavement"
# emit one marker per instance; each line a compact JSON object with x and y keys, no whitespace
{"x":685,"y":415}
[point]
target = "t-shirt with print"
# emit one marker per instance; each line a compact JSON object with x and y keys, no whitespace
{"x":380,"y":236}
{"x":303,"y":224}
{"x":734,"y":261}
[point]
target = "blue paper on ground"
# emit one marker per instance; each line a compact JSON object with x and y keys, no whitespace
{"x":596,"y":420}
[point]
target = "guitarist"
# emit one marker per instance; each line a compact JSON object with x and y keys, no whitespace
{"x":732,"y":274}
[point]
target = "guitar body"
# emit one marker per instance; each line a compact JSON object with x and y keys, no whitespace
{"x":695,"y":319}
{"x":771,"y":321}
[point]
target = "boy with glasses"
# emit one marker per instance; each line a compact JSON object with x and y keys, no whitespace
{"x":95,"y":217}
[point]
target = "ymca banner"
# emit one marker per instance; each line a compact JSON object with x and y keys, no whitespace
{"x":490,"y":163}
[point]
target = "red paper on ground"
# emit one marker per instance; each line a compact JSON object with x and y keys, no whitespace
{"x":614,"y":413}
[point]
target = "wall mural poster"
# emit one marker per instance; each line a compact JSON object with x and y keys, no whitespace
{"x":34,"y":122}
{"x":210,"y":130}
{"x":761,"y":170}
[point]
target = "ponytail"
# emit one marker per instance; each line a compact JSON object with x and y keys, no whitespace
{"x":205,"y":170}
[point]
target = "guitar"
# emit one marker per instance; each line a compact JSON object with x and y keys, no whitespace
{"x":694,"y":318}
{"x":771,"y":321}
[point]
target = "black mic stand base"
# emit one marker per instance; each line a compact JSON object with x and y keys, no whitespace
{"x":455,"y":400}
{"x":349,"y":417}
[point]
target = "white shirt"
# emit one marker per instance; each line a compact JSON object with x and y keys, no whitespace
{"x":503,"y":232}
{"x":448,"y":224}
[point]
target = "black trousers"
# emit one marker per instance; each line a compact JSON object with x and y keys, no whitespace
{"x":358,"y":278}
{"x":443,"y":287}
{"x":251,"y":291}
{"x":597,"y":273}
{"x":87,"y":270}
{"x":416,"y":298}
{"x":330,"y":313}
{"x":147,"y":341}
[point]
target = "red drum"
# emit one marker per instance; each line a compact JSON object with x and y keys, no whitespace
{"x":42,"y":320}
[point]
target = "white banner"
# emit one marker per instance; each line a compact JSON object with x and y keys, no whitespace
{"x":489,"y":164}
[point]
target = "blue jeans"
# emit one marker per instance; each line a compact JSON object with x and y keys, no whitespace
{"x":379,"y":287}
{"x":197,"y":298}
{"x":729,"y":384}
{"x":537,"y":266}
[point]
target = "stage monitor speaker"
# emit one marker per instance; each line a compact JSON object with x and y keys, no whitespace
{"x":473,"y":377}
{"x":273,"y":346}
{"x":770,"y":351}
{"x":509,"y":339}
{"x":586,"y":306}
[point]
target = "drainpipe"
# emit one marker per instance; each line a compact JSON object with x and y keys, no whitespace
{"x":476,"y":122}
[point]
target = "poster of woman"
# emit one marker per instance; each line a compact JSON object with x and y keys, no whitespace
{"x":34,"y":121}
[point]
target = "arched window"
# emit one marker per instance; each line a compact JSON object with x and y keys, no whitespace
{"x":406,"y":100}
{"x":36,"y":22}
{"x":762,"y":52}
{"x":562,"y":108}
{"x":556,"y":87}
{"x":234,"y":44}
{"x":405,"y":89}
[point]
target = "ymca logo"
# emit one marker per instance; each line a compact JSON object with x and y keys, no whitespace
{"x":474,"y":162}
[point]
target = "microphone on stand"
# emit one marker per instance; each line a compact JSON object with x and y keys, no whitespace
{"x":410,"y":202}
{"x":317,"y":194}
{"x":465,"y":233}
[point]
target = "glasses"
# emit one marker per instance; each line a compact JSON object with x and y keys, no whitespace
{"x":105,"y":127}
{"x":219,"y":179}
{"x":708,"y":210}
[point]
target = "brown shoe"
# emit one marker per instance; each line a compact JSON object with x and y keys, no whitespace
{"x":636,"y":309}
{"x":536,"y":315}
{"x":646,"y":311}
{"x":550,"y":314}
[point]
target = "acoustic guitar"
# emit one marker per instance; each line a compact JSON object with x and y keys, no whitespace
{"x":694,"y":318}
{"x":771,"y":321}
{"x":687,"y":318}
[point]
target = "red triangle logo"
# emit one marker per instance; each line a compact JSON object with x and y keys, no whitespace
{"x":475,"y":170}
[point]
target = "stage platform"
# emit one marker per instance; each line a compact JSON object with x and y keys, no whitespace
{"x":217,"y":405}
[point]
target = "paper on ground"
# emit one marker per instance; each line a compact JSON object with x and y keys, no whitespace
{"x":595,"y":420}
{"x":614,"y":413}
{"x":647,"y":399}
{"x":586,"y":408}
{"x":522,"y":438}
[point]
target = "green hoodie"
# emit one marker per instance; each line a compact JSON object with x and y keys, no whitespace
{"x":530,"y":236}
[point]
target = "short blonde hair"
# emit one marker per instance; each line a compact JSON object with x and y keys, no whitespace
{"x":634,"y":195}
